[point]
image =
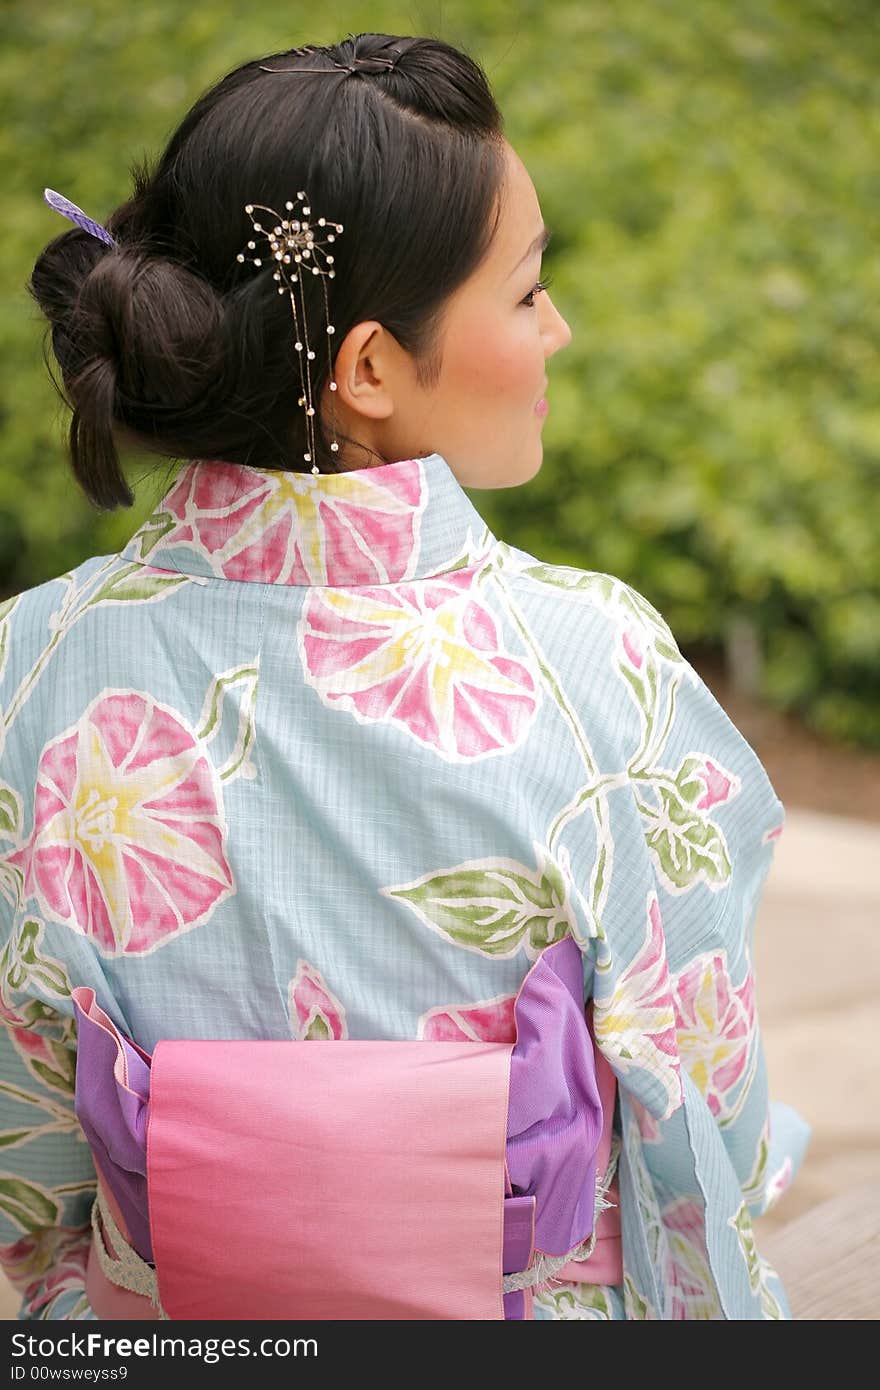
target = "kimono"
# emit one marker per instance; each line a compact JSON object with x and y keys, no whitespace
{"x":318,"y":757}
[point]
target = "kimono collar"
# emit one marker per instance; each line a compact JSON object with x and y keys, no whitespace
{"x":405,"y":520}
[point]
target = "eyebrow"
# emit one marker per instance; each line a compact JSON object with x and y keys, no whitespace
{"x":541,"y":242}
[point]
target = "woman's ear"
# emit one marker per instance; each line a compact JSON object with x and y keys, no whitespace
{"x":364,"y":370}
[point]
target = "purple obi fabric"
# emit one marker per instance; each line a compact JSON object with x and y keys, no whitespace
{"x":114,"y":1119}
{"x":554,"y":1119}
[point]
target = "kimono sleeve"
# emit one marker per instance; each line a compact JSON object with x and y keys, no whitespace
{"x":47,"y":1176}
{"x":711,"y":827}
{"x":674,"y":834}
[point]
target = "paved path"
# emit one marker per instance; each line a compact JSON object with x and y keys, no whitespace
{"x":817,"y":957}
{"x":817,"y":960}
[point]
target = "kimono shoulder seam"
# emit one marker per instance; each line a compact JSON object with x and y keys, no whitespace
{"x":586,"y":601}
{"x":163,"y":569}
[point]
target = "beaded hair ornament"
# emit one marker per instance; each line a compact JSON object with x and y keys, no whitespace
{"x":291,"y":242}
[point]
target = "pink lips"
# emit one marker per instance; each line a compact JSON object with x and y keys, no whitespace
{"x":542,"y":407}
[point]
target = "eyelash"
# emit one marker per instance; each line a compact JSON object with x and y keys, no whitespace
{"x":541,"y":285}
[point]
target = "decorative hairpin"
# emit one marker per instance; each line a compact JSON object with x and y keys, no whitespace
{"x":367,"y":64}
{"x":293,"y":241}
{"x":69,"y":209}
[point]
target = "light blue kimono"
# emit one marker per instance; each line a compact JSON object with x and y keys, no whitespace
{"x":318,"y":756}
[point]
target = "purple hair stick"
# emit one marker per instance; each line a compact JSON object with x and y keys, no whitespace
{"x":69,"y":209}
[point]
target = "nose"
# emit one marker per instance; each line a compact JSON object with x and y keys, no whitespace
{"x":555,"y":330}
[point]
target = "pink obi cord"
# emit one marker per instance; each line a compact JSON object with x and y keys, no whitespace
{"x":357,"y":1179}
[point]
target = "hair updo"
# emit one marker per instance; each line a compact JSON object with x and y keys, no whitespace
{"x":168,"y":343}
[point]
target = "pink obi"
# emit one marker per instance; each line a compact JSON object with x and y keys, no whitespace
{"x":353,"y":1179}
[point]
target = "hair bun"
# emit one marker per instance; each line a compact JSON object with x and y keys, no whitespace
{"x":140,"y":341}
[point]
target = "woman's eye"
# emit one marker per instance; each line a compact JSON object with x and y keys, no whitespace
{"x":529,"y":300}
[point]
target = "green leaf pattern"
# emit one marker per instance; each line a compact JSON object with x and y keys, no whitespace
{"x":755,"y":1188}
{"x":495,"y":906}
{"x":760,"y":1271}
{"x":23,"y":966}
{"x":578,"y":1301}
{"x":115,"y":581}
{"x":246,"y":677}
{"x":687,"y":847}
{"x":638,"y":1307}
{"x":28,"y":1205}
{"x":10,"y":813}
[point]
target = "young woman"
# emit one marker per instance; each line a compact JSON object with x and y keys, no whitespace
{"x":317,"y":757}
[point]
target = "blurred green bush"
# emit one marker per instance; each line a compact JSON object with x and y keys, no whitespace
{"x":710,"y":176}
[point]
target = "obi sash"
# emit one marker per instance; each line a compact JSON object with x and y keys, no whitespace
{"x":348,"y":1179}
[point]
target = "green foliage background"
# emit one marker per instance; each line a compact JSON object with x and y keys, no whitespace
{"x":711,"y":177}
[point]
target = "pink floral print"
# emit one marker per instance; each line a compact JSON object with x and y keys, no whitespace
{"x":492,"y":1020}
{"x":424,"y":656}
{"x":315,"y":1013}
{"x":718,"y":784}
{"x":298,"y":528}
{"x":128,"y":844}
{"x":50,"y":1060}
{"x":633,"y":648}
{"x":690,"y":1287}
{"x":715,"y":1027}
{"x":635,"y":1026}
{"x":704,"y":783}
{"x":47,"y":1263}
{"x":649,"y":1129}
{"x":780,"y":1181}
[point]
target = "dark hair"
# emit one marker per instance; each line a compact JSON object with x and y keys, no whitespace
{"x":167,"y":342}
